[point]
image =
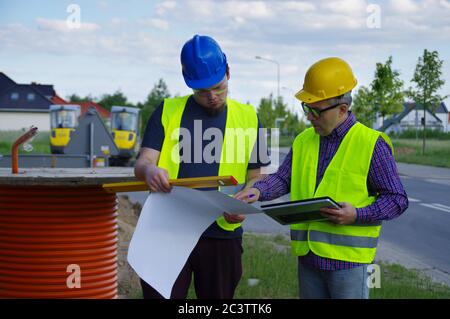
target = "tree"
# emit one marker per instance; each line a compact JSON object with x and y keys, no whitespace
{"x":154,"y":98}
{"x":117,"y":98}
{"x":387,"y":90}
{"x":363,"y":106}
{"x":74,"y":98}
{"x":266,"y":112}
{"x":269,"y":110}
{"x":293,"y":125}
{"x":427,"y":79}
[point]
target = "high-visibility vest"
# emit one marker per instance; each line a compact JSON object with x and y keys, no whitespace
{"x":344,"y":180}
{"x":239,"y":138}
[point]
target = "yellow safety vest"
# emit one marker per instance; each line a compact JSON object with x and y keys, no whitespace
{"x":241,"y":122}
{"x":344,"y":180}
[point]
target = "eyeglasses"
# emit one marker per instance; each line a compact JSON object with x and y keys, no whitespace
{"x":216,"y":91}
{"x":316,"y":112}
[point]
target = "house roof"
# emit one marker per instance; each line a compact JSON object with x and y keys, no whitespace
{"x":84,"y":106}
{"x":45,"y":89}
{"x":5,"y":82}
{"x":407,"y":108}
{"x":59,"y":100}
{"x":28,"y":98}
{"x":442,"y":108}
{"x":100,"y":109}
{"x":44,"y":96}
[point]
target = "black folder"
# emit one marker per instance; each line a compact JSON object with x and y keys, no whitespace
{"x":299,"y":211}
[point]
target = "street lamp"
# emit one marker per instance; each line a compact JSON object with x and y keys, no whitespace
{"x":278,"y":72}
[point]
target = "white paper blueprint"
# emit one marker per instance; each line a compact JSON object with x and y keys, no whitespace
{"x":168,"y":229}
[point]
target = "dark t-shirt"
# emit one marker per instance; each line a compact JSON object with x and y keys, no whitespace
{"x":154,"y":137}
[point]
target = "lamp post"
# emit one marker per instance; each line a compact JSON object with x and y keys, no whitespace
{"x":278,"y":72}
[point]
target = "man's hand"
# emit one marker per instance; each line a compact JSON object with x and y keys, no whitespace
{"x":233,"y":218}
{"x":343,"y":216}
{"x":248,"y":195}
{"x":146,"y":170}
{"x":158,"y":180}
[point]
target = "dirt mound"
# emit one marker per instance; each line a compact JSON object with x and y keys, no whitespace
{"x":129,"y":286}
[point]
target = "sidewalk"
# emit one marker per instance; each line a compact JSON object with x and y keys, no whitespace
{"x":390,"y":253}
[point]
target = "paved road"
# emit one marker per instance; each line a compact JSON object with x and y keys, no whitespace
{"x":420,"y":238}
{"x":423,"y":231}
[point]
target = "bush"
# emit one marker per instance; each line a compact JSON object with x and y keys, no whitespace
{"x":432,"y":134}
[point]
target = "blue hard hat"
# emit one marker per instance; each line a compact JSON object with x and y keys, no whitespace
{"x":203,"y":62}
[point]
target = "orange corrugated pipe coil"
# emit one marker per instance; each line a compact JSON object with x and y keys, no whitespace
{"x":44,"y":230}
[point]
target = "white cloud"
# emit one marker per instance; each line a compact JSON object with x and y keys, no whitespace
{"x":404,"y":6}
{"x":159,"y":24}
{"x":163,"y":7}
{"x":294,"y":33}
{"x":198,"y":9}
{"x":445,"y":4}
{"x":348,"y":7}
{"x":62,"y":26}
{"x":250,"y":10}
{"x":289,"y":6}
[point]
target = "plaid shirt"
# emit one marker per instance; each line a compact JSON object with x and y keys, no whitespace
{"x":383,"y":179}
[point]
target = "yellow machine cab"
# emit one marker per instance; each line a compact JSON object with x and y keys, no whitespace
{"x":125,"y":126}
{"x":63,"y":122}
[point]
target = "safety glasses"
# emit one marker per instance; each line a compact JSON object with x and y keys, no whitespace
{"x":316,"y":112}
{"x":220,"y":89}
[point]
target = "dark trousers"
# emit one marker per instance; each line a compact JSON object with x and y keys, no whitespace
{"x":217,"y":268}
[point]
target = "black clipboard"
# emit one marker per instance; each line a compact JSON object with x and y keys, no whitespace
{"x":299,"y":211}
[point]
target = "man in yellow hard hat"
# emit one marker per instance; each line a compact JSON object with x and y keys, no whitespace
{"x":347,"y":161}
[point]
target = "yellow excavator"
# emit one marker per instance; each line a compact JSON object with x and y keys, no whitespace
{"x":125,"y":124}
{"x":63,"y":122}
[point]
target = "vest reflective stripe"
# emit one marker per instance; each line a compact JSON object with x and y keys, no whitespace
{"x":342,"y":240}
{"x":345,"y":181}
{"x":241,"y":122}
{"x":299,"y":235}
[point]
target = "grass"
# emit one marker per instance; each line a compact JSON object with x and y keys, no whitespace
{"x":268,"y":258}
{"x":40,"y":143}
{"x":398,"y":282}
{"x":437,"y":152}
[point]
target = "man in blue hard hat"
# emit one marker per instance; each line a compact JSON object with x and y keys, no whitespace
{"x":215,"y":261}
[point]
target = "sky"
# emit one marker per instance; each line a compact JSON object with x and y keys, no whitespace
{"x":98,"y":46}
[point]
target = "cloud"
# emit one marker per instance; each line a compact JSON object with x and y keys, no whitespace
{"x":445,"y":4}
{"x":163,"y":7}
{"x":404,"y":6}
{"x":295,"y":6}
{"x":292,"y":32}
{"x":64,"y":26}
{"x":250,"y":10}
{"x":348,"y":7}
{"x":159,"y":24}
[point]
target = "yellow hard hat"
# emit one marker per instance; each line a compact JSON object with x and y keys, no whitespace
{"x":326,"y":79}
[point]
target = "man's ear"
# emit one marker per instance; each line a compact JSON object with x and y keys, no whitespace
{"x":227,"y":72}
{"x":343,"y":109}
